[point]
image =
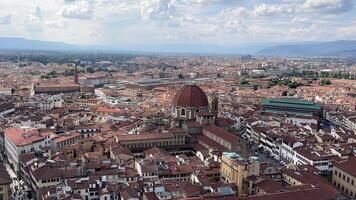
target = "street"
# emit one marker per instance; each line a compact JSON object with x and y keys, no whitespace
{"x":18,"y":188}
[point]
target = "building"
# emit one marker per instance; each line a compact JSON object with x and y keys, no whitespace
{"x":291,"y":106}
{"x":96,"y":81}
{"x":52,"y":102}
{"x":344,"y":176}
{"x":138,"y":142}
{"x":188,"y":102}
{"x":340,"y":119}
{"x":20,"y":141}
{"x":55,"y":89}
{"x":6,"y":108}
{"x":224,"y":138}
{"x":5,"y":181}
{"x":235,"y":169}
{"x":65,"y":140}
{"x":6,"y":91}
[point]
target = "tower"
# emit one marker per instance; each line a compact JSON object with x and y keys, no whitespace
{"x":214,"y":104}
{"x":76,"y":73}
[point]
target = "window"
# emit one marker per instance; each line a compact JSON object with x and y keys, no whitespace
{"x":182,"y":112}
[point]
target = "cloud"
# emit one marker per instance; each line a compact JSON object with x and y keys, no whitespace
{"x":306,"y":6}
{"x":347,"y":31}
{"x":234,"y":26}
{"x":273,"y":9}
{"x":57,"y":24}
{"x":240,"y":12}
{"x":157,"y":9}
{"x":300,"y":33}
{"x":328,"y":6}
{"x":5,"y":19}
{"x":33,"y":21}
{"x":300,"y":20}
{"x":82,"y":9}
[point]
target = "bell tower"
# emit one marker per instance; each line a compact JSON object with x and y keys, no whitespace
{"x":76,"y":73}
{"x":214,"y":104}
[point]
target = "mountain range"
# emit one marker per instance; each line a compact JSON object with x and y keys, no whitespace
{"x":339,"y":48}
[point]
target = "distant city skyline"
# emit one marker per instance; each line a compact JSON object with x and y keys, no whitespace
{"x":135,"y":23}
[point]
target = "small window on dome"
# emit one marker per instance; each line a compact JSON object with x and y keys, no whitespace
{"x":182,"y":112}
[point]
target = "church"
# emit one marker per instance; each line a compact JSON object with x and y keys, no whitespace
{"x":190,"y":101}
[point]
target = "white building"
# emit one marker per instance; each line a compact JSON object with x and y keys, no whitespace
{"x":6,"y":108}
{"x":6,"y":91}
{"x":20,"y":141}
{"x":52,"y":102}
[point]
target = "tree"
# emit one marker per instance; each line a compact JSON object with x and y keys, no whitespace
{"x":325,"y":82}
{"x":90,"y":70}
{"x":293,"y":84}
{"x":244,"y":82}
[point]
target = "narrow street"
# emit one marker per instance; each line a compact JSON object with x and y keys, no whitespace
{"x":18,"y":188}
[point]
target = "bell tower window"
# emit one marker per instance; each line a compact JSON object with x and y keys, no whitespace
{"x":182,"y":112}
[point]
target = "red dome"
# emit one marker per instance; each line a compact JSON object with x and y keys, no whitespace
{"x":191,"y":96}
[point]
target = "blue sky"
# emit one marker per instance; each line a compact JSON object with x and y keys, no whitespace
{"x":162,"y":22}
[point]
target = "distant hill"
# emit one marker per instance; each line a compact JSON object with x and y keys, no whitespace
{"x":9,"y":43}
{"x":342,"y":48}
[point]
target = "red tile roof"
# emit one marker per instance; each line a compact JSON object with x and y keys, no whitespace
{"x":347,"y":166}
{"x":220,"y":132}
{"x":191,"y":96}
{"x":144,"y":136}
{"x":21,"y":137}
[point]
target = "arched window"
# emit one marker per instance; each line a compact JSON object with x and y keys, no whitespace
{"x":182,"y":112}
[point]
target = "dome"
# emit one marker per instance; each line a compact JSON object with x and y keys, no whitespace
{"x":191,"y":96}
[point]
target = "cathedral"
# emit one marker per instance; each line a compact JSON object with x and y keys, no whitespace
{"x":190,"y":101}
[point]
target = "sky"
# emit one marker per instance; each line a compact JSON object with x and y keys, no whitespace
{"x":162,"y":22}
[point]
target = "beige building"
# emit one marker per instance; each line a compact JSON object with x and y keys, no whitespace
{"x":234,"y":169}
{"x":344,"y":176}
{"x":169,"y":138}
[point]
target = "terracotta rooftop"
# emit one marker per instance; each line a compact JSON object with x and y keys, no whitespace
{"x":145,"y":136}
{"x":221,"y":132}
{"x":347,"y":166}
{"x":191,"y":96}
{"x":20,"y":137}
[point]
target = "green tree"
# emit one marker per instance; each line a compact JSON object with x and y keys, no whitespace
{"x":325,"y":82}
{"x":244,"y":82}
